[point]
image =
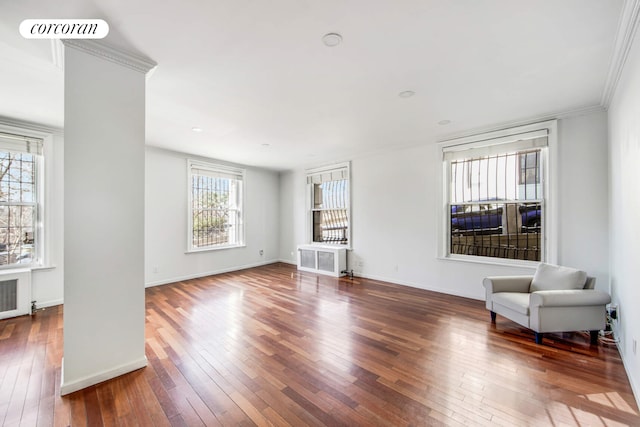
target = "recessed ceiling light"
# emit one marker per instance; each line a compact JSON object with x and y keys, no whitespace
{"x":266,"y":145}
{"x":196,"y":129}
{"x":332,"y":39}
{"x":406,"y":94}
{"x":444,"y":122}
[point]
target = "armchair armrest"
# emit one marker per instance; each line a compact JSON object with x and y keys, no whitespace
{"x":569,"y":298}
{"x":495,"y":284}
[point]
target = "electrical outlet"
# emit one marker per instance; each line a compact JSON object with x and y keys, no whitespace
{"x":261,"y":252}
{"x":634,"y":346}
{"x":155,"y":269}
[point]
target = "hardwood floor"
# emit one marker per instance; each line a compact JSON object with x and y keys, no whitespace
{"x":271,"y":346}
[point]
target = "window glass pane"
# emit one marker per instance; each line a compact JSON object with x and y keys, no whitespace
{"x":17,"y":177}
{"x":330,"y":216}
{"x":330,"y":226}
{"x":501,"y":230}
{"x":331,"y":194}
{"x":496,"y":206}
{"x":506,"y":176}
{"x":17,"y":234}
{"x":215,"y":211}
{"x":18,"y":209}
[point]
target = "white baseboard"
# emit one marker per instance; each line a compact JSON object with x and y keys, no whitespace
{"x":405,"y":283}
{"x":50,"y":303}
{"x":207,"y":273}
{"x":68,"y":387}
{"x":635,"y":388}
{"x":417,"y":285}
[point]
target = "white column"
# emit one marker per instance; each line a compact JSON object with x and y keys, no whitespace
{"x":104,"y":129}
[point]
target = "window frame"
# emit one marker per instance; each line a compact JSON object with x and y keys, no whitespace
{"x":223,"y":170}
{"x":549,"y":178}
{"x":44,"y":178}
{"x":310,"y":202}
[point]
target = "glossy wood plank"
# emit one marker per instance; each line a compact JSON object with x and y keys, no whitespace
{"x":272,"y":346}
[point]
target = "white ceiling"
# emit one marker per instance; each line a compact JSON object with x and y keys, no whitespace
{"x":252,"y":72}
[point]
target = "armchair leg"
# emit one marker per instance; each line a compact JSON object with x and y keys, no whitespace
{"x":539,"y":336}
{"x":594,"y":337}
{"x":493,"y":317}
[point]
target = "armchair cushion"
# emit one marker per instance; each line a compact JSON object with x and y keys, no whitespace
{"x":516,"y":301}
{"x":553,"y":277}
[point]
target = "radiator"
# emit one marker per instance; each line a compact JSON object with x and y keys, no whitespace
{"x":330,"y":260}
{"x":15,"y":293}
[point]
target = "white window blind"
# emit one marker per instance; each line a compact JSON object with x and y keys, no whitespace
{"x":328,"y":175}
{"x":511,"y":144}
{"x":20,"y":144}
{"x":217,"y":172}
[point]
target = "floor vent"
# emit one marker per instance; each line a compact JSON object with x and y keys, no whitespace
{"x":15,"y":293}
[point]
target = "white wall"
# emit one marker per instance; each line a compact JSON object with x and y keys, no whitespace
{"x":166,"y":259}
{"x":624,"y":170}
{"x":583,"y":185}
{"x":401,"y":188}
{"x":104,"y":313}
{"x":292,"y":213}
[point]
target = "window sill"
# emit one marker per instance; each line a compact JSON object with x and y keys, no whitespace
{"x":503,"y":262}
{"x":214,"y":248}
{"x":42,"y":267}
{"x":329,"y":245}
{"x":24,"y":267}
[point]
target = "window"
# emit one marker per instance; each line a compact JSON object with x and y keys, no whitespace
{"x":20,"y":160}
{"x":496,"y":198}
{"x":215,"y":206}
{"x":330,"y":210}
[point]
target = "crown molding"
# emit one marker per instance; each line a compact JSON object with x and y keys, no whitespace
{"x":30,"y":126}
{"x":627,"y":26}
{"x":101,"y":50}
{"x":582,"y":111}
{"x":57,"y":53}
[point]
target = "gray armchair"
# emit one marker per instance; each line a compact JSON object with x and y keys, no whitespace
{"x":554,"y":299}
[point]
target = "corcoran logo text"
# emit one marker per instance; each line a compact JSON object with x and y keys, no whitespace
{"x":64,"y":28}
